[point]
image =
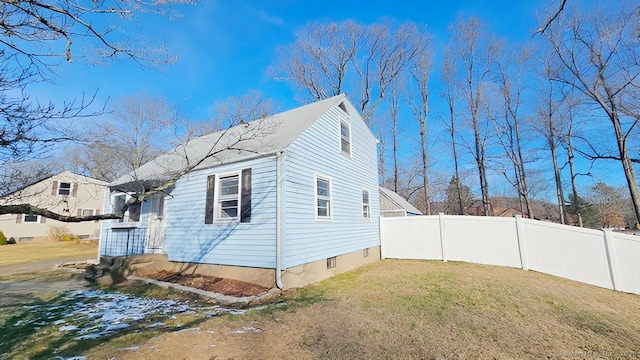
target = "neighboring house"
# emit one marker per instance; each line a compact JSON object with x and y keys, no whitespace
{"x":287,"y":200}
{"x":509,"y":207}
{"x":394,"y":205}
{"x":66,"y":194}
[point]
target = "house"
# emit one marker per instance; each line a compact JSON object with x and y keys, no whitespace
{"x":394,"y":205}
{"x":286,"y":200}
{"x":65,"y":193}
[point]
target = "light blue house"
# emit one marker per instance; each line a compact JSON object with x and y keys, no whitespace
{"x":285,"y":200}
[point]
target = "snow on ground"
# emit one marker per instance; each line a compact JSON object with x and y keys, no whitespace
{"x":91,"y":314}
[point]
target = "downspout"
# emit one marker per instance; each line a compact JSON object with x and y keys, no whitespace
{"x":279,"y":189}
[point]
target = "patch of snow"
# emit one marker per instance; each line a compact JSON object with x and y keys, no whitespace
{"x":131,"y":348}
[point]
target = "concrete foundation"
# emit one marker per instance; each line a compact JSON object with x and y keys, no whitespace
{"x":294,"y":277}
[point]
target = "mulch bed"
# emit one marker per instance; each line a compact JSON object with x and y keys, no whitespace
{"x":214,"y":284}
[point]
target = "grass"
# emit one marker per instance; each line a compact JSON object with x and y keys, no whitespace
{"x":389,"y":310}
{"x":420,"y":310}
{"x":35,"y":251}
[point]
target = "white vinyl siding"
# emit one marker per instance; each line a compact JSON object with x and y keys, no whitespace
{"x":189,"y":239}
{"x":306,"y":239}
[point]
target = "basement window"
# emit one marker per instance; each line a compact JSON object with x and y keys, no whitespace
{"x":331,"y":262}
{"x":365,"y":252}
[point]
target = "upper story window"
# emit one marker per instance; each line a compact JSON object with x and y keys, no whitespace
{"x":345,"y":137}
{"x":64,"y":188}
{"x":228,"y":197}
{"x":366,"y":208}
{"x":323,"y":198}
{"x":30,"y":218}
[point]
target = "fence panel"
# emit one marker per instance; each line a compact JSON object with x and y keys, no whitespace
{"x":482,"y":240}
{"x":600,"y":258}
{"x":415,"y":237}
{"x":567,"y":251}
{"x":627,"y":255}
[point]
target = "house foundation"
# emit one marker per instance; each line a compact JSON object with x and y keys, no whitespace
{"x":294,"y":277}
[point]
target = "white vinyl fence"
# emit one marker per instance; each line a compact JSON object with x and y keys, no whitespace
{"x":602,"y":258}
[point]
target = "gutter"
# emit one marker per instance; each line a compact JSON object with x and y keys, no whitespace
{"x":279,"y":207}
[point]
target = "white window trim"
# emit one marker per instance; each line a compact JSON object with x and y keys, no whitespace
{"x":60,"y":188}
{"x":315,"y":192}
{"x":82,"y":210}
{"x":363,"y":204}
{"x":340,"y":138}
{"x":24,"y":220}
{"x":216,"y":198}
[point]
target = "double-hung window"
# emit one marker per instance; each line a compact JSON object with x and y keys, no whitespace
{"x":323,"y":198}
{"x":345,"y":138}
{"x":228,"y":203}
{"x":64,"y":188}
{"x":366,"y":208}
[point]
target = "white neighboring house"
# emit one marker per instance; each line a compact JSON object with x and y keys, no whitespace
{"x":66,"y":194}
{"x":394,"y":205}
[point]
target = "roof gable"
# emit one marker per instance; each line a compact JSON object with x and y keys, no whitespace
{"x":399,"y":201}
{"x":242,"y":142}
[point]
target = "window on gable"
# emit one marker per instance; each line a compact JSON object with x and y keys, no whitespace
{"x":228,"y":197}
{"x":345,"y":137}
{"x":323,"y":198}
{"x":64,"y":188}
{"x":366,"y":208}
{"x":30,"y":218}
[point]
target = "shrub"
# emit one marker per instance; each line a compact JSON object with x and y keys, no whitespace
{"x":11,"y":240}
{"x":61,"y":233}
{"x":3,"y":239}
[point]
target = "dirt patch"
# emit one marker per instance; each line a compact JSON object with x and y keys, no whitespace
{"x":214,"y":284}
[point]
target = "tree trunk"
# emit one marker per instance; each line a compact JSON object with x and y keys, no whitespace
{"x":556,"y":173}
{"x":425,"y":180}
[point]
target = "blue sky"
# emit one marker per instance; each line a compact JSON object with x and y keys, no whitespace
{"x":225,"y":48}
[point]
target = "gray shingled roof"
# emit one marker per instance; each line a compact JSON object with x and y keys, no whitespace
{"x":398,"y":201}
{"x":245,"y":141}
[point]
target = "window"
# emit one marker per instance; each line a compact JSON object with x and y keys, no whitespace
{"x":365,"y":252}
{"x":366,"y":209}
{"x":331,"y":262}
{"x":87,"y":212}
{"x":345,"y":137}
{"x":323,"y":198}
{"x":157,"y":205}
{"x":64,"y":188}
{"x":133,"y":211}
{"x":228,"y":197}
{"x":30,"y":218}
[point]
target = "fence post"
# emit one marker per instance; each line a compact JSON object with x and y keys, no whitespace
{"x":380,"y":231}
{"x":521,"y":243}
{"x":443,"y":243}
{"x":612,"y":260}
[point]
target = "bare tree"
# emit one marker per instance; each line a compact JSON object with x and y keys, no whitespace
{"x":511,"y":75}
{"x":599,"y":50}
{"x":348,"y":57}
{"x":449,"y":76}
{"x":394,"y":107}
{"x":477,"y":53}
{"x":551,"y":126}
{"x":419,"y":105}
